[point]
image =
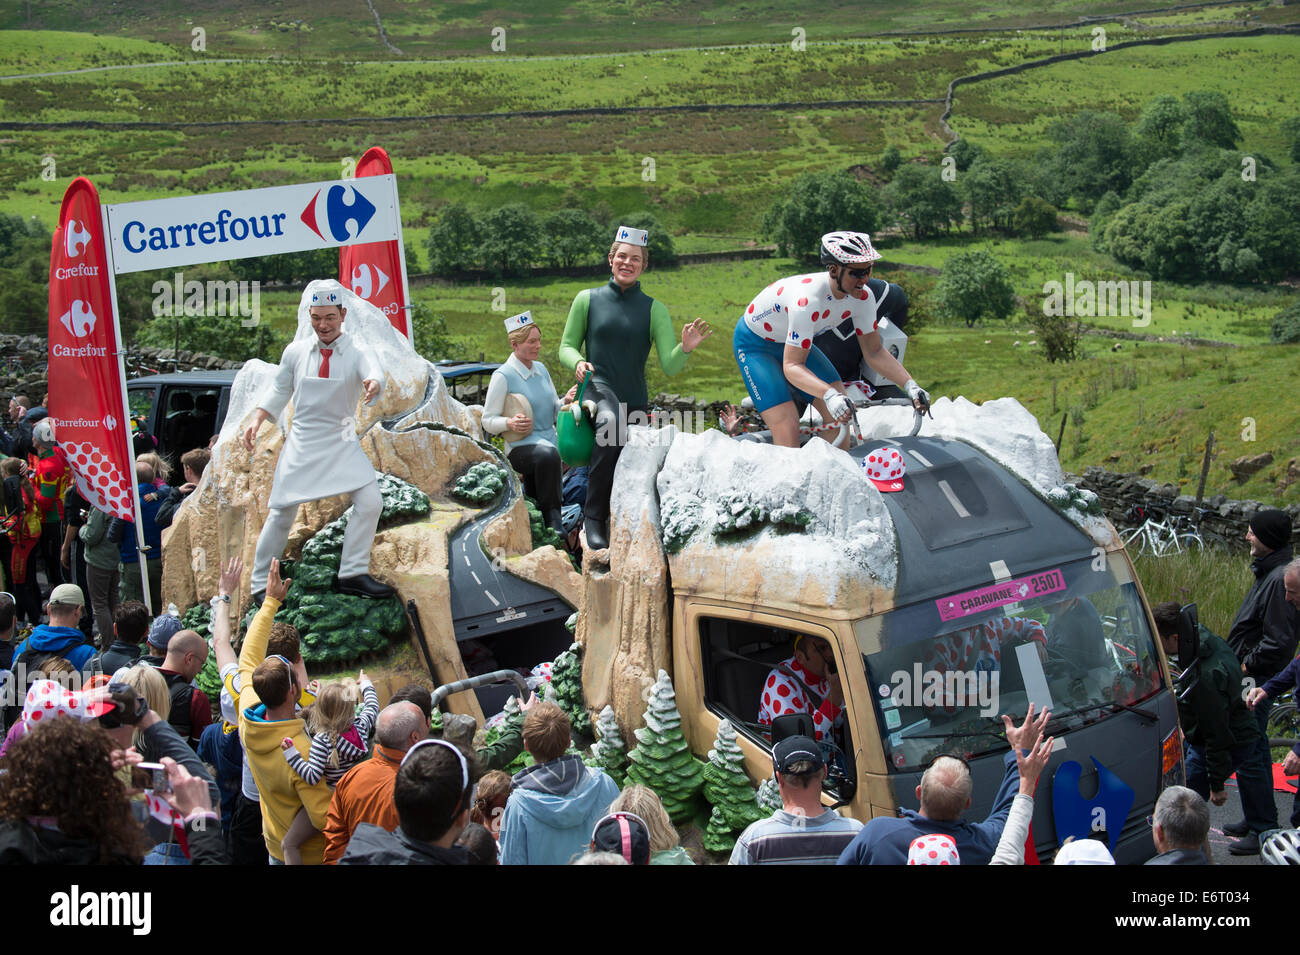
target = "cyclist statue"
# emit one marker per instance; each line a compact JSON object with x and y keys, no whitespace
{"x":774,"y":346}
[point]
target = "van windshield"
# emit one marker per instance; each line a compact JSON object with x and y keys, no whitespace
{"x":1074,"y":638}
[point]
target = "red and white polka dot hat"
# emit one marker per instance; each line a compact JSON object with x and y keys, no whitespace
{"x":47,"y":699}
{"x":934,"y":849}
{"x":885,"y":468}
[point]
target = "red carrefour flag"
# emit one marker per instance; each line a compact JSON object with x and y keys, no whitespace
{"x":86,"y":379}
{"x":376,"y":271}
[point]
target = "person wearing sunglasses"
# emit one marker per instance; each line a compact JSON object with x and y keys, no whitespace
{"x":773,"y":341}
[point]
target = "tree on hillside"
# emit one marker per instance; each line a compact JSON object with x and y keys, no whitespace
{"x":922,"y":201}
{"x":993,"y":187}
{"x":817,"y":203}
{"x":966,"y":153}
{"x":890,"y":158}
{"x":1285,"y":327}
{"x":974,"y":286}
{"x":658,"y":242}
{"x":1034,"y":217}
{"x":573,"y":237}
{"x":509,"y":241}
{"x":454,"y":241}
{"x":24,"y":274}
{"x":1291,"y":130}
{"x":1094,"y":155}
{"x":1159,"y":131}
{"x":1209,"y":119}
{"x":1195,"y":218}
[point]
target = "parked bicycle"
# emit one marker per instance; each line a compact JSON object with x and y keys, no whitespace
{"x":1160,"y":536}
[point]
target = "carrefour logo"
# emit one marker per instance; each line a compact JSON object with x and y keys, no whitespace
{"x":338,"y":214}
{"x":368,"y":280}
{"x":79,"y":320}
{"x":76,"y":238}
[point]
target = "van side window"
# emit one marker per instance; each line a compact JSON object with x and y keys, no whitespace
{"x":751,"y":677}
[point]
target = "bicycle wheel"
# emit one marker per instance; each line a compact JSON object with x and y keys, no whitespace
{"x":1190,"y":539}
{"x":1283,"y":728}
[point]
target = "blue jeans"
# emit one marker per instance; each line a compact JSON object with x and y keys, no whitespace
{"x":1254,"y":781}
{"x":166,"y":853}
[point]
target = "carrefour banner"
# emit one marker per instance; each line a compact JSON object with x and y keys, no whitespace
{"x":376,"y":271}
{"x":168,"y":233}
{"x":87,"y":386}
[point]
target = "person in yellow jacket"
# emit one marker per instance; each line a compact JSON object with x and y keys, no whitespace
{"x":263,"y":724}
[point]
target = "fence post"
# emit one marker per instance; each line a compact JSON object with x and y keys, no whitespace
{"x":1205,"y":467}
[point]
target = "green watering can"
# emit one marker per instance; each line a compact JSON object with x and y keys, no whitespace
{"x":574,"y":431}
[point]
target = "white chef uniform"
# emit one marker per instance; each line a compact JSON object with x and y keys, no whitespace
{"x":321,"y":456}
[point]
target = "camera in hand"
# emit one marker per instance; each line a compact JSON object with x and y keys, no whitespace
{"x":129,"y":707}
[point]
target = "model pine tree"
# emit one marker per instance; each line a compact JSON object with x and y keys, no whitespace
{"x":661,"y":758}
{"x":609,"y":751}
{"x":728,"y":790}
{"x":768,"y":798}
{"x":566,"y":680}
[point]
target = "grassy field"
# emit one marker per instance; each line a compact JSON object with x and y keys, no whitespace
{"x":1010,"y":115}
{"x":714,"y":171}
{"x":1214,"y":581}
{"x":464,"y":27}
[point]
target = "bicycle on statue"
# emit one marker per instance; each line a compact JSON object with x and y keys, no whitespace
{"x":840,"y":434}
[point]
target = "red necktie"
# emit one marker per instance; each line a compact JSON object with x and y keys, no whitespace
{"x":325,"y":362}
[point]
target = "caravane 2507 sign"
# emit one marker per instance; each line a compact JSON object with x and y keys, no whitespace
{"x":167,"y":233}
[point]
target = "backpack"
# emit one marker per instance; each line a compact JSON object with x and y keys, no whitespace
{"x":21,"y":518}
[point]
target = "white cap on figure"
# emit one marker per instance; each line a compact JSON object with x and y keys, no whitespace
{"x":516,"y":322}
{"x":631,"y":236}
{"x":325,"y":292}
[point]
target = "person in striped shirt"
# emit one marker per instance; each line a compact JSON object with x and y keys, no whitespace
{"x":802,"y":831}
{"x":338,"y":742}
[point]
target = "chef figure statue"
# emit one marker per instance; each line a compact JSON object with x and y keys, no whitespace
{"x":321,"y":457}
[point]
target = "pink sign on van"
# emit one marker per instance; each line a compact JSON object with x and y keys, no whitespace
{"x":999,"y":595}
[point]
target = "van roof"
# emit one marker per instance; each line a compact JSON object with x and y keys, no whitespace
{"x":215,"y":377}
{"x":964,"y":520}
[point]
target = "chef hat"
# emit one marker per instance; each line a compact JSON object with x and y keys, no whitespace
{"x":516,"y":322}
{"x":324,"y":292}
{"x":46,"y":699}
{"x":632,"y":236}
{"x":885,"y":468}
{"x":934,"y":849}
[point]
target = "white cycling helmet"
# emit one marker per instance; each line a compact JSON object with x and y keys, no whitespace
{"x":847,"y":248}
{"x":1281,"y":848}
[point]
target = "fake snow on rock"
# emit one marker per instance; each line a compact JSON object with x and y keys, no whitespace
{"x":1008,"y":434}
{"x":708,"y":478}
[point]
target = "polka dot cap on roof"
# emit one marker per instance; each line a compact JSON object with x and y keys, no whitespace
{"x":885,"y":468}
{"x":934,"y":849}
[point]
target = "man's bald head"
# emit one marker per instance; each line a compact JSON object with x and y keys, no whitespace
{"x":945,"y":789}
{"x":186,"y":654}
{"x":400,"y":725}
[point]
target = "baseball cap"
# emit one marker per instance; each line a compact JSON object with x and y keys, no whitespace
{"x":1084,"y":852}
{"x":933,"y":849}
{"x":796,"y":749}
{"x":68,"y":595}
{"x":163,"y":628}
{"x":885,"y":467}
{"x":624,"y":834}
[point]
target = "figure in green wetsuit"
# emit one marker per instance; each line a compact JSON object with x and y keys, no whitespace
{"x":615,"y":325}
